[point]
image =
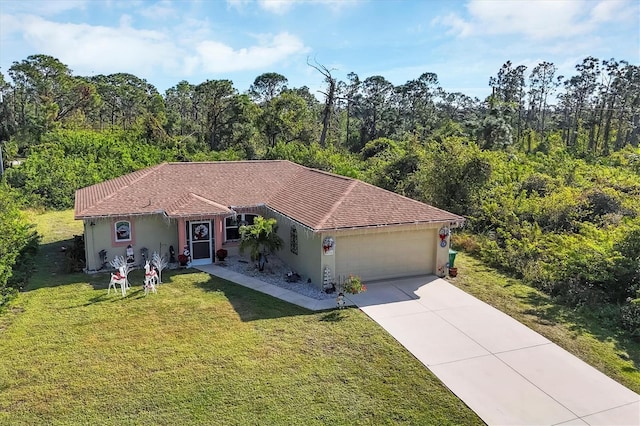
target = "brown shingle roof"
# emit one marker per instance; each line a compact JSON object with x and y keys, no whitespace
{"x":316,"y":199}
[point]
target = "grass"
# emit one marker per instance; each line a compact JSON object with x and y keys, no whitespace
{"x":201,"y":351}
{"x":587,"y":333}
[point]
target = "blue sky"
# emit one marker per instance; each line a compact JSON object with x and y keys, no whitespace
{"x":464,"y":42}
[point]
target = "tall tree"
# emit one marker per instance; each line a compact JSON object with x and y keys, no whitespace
{"x":215,"y":100}
{"x":181,"y":111}
{"x":8,"y":123}
{"x":577,"y":98}
{"x":627,"y":87}
{"x":375,"y":109}
{"x":457,"y":107}
{"x":349,"y":95}
{"x":329,"y":98}
{"x":542,"y":84}
{"x":46,"y":93}
{"x":416,"y":105}
{"x":126,"y":98}
{"x":508,"y":87}
{"x":494,"y":131}
{"x":267,"y":86}
{"x":286,"y":118}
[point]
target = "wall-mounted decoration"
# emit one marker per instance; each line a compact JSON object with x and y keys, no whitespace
{"x":122,"y":231}
{"x":201,"y":232}
{"x":328,"y":245}
{"x":443,"y":233}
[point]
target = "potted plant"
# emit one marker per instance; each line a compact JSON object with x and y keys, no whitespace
{"x":353,"y":285}
{"x":221,"y":254}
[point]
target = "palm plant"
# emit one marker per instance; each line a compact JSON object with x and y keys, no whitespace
{"x":261,"y":239}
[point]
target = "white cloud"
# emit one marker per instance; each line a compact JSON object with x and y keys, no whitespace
{"x":608,"y":10}
{"x":457,"y":25}
{"x":281,"y":7}
{"x":541,"y":19}
{"x":161,"y":11}
{"x":89,"y":49}
{"x":218,"y":57}
{"x":276,"y":6}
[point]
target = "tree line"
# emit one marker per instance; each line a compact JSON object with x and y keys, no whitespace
{"x":594,"y":112}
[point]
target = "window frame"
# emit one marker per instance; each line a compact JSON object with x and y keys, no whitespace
{"x":116,"y":225}
{"x":240,"y":220}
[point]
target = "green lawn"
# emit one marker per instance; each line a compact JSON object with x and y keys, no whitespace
{"x":587,"y":333}
{"x":201,"y":351}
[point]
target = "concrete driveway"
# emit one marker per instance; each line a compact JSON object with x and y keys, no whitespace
{"x":505,"y":372}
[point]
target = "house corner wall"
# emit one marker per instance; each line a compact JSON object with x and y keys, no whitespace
{"x":307,"y":261}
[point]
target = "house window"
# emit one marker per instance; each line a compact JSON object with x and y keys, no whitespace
{"x":232,"y":225}
{"x":122,"y":229}
{"x":293,"y":240}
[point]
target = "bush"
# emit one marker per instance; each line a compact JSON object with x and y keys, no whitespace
{"x":466,"y":242}
{"x":630,"y":318}
{"x":539,"y":183}
{"x":67,"y":160}
{"x":18,"y":246}
{"x":75,"y":255}
{"x":601,"y":203}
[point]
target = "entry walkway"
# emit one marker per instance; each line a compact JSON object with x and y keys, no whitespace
{"x":270,"y":289}
{"x":504,"y":371}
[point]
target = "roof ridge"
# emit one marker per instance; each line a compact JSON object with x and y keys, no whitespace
{"x":173,"y":163}
{"x":324,"y":172}
{"x":208,"y":201}
{"x":406,"y":198}
{"x":143,"y":173}
{"x":337,"y":204}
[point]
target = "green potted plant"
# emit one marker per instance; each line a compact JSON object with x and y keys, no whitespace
{"x":353,"y":285}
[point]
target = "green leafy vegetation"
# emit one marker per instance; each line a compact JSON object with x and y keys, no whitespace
{"x":18,"y":246}
{"x":566,"y":226}
{"x":260,"y":238}
{"x":201,"y":350}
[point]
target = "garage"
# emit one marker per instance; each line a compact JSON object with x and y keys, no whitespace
{"x":377,"y":254}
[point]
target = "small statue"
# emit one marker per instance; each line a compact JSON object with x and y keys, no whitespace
{"x":130,"y":256}
{"x":340,"y":300}
{"x":185,"y":257}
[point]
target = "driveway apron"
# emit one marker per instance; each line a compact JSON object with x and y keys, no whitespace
{"x":507,"y":373}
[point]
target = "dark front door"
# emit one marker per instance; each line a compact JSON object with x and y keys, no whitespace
{"x":201,"y":242}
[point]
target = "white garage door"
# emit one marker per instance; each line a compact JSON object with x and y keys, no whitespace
{"x":386,"y":255}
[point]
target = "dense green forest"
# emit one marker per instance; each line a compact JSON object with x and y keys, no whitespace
{"x":546,"y":169}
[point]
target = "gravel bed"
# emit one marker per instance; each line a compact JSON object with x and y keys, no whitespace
{"x":275,"y":272}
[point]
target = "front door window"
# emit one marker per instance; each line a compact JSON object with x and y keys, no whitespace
{"x":201,"y":242}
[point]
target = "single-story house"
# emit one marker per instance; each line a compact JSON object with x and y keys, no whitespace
{"x":332,"y":226}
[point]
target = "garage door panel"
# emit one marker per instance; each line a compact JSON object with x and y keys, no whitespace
{"x":386,"y":255}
